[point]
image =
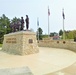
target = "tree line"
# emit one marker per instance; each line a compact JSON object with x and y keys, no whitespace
{"x":69,"y":34}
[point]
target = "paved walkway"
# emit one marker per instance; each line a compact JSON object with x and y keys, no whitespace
{"x":49,"y":61}
{"x":71,"y":70}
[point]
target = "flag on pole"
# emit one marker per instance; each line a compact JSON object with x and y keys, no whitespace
{"x":48,"y":12}
{"x":63,"y":14}
{"x":37,"y":21}
{"x":38,"y":29}
{"x":48,"y":20}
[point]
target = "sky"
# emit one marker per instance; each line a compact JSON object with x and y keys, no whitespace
{"x":39,"y":9}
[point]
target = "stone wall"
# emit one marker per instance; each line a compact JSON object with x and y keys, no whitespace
{"x":58,"y":44}
{"x":22,"y":43}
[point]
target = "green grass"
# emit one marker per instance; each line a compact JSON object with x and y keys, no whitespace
{"x":0,"y":45}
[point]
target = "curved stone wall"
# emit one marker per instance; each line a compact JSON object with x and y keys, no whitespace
{"x":58,"y":44}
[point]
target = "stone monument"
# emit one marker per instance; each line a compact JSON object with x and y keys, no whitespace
{"x":20,"y":43}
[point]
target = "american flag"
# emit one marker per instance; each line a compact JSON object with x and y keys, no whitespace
{"x":63,"y":14}
{"x":48,"y":12}
{"x":37,"y":21}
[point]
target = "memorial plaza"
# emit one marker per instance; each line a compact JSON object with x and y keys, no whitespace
{"x":49,"y":61}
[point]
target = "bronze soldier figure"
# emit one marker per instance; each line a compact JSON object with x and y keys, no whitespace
{"x":22,"y":23}
{"x":27,"y":22}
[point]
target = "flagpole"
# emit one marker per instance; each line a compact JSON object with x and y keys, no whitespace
{"x":48,"y":21}
{"x":48,"y":26}
{"x":63,"y":25}
{"x":38,"y":28}
{"x":63,"y":31}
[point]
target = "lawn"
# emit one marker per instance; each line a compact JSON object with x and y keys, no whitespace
{"x":0,"y":45}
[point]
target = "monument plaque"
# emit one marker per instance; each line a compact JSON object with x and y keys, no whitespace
{"x":30,"y":41}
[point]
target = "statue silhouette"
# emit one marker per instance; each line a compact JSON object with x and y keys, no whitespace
{"x":22,"y":23}
{"x":27,"y":22}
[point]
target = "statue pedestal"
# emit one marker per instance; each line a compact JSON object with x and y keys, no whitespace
{"x":21,"y":43}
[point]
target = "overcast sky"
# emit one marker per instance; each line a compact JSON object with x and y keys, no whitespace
{"x":39,"y":8}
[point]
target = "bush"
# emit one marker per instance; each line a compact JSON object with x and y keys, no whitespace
{"x":74,"y":39}
{"x":1,"y":40}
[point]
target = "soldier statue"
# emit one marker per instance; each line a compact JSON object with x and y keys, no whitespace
{"x":22,"y":23}
{"x":27,"y":22}
{"x":17,"y":26}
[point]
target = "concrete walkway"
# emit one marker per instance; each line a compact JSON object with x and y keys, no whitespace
{"x":47,"y":62}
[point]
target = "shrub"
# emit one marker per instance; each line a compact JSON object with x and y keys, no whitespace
{"x":74,"y":39}
{"x":1,"y":40}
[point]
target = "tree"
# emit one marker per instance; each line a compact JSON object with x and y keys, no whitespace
{"x":70,"y":34}
{"x":60,"y":32}
{"x":15,"y":19}
{"x":39,"y":33}
{"x":74,"y":33}
{"x":4,"y":26}
{"x":53,"y":33}
{"x":15,"y":24}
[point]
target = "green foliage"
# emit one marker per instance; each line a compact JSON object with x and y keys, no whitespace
{"x":1,"y":38}
{"x":39,"y":33}
{"x":74,"y":39}
{"x":45,"y":36}
{"x":0,"y":45}
{"x":74,"y":33}
{"x":52,"y":34}
{"x":15,"y":19}
{"x":70,"y":34}
{"x":60,"y":32}
{"x":4,"y":26}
